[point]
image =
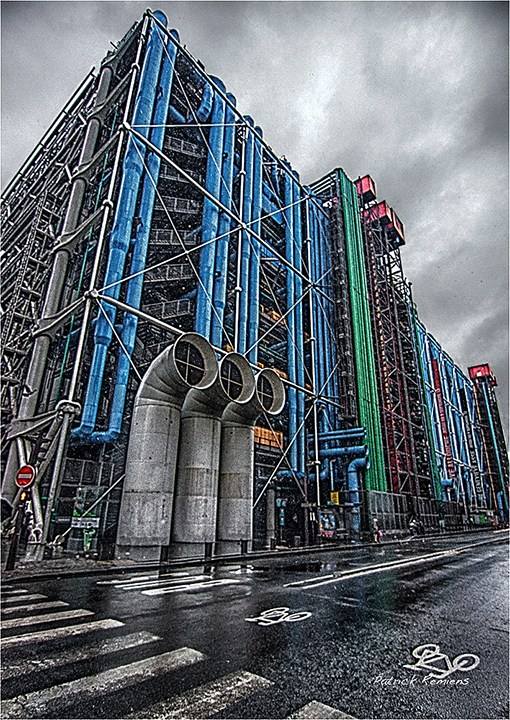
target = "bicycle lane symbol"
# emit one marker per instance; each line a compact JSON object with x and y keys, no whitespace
{"x":429,"y":657}
{"x":278,"y":615}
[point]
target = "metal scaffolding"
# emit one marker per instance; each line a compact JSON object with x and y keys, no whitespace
{"x":153,"y":208}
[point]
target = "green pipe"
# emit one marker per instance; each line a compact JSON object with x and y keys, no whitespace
{"x":368,"y":399}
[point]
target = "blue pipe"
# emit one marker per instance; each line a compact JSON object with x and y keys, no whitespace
{"x":298,"y":291}
{"x":291,"y":323}
{"x":324,"y":266}
{"x":269,"y":208}
{"x":221,"y":262}
{"x":338,"y":452}
{"x":270,"y":194}
{"x":246,"y":246}
{"x":120,"y":237}
{"x":353,"y":487}
{"x":254,"y":282}
{"x":325,"y":472}
{"x":318,"y":329}
{"x":281,"y":474}
{"x":201,"y":114}
{"x":275,"y":178}
{"x":135,"y":285}
{"x":206,"y":104}
{"x":210,"y":216}
{"x":499,"y":499}
{"x":340,"y":434}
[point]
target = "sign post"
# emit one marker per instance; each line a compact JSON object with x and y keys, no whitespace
{"x":25,"y":477}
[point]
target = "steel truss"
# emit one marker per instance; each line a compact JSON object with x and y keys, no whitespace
{"x":38,"y":203}
{"x":402,"y":417}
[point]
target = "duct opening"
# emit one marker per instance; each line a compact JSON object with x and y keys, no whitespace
{"x":270,"y":391}
{"x":265,"y":393}
{"x":189,"y":363}
{"x":236,"y":378}
{"x":231,"y":379}
{"x":191,"y":357}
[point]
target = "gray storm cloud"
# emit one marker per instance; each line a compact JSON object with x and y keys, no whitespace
{"x":415,"y":94}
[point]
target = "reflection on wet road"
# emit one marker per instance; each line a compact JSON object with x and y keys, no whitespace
{"x":410,"y":630}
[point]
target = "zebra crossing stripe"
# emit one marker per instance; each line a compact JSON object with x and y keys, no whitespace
{"x":38,"y":606}
{"x":22,"y":599}
{"x":207,"y":700}
{"x":34,"y":703}
{"x":316,"y":710}
{"x":13,"y":592}
{"x":59,"y":633}
{"x":46,"y":618}
{"x":86,"y":652}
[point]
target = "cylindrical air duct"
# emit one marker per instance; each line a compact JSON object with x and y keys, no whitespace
{"x":196,"y":488}
{"x":147,"y":499}
{"x":235,"y":492}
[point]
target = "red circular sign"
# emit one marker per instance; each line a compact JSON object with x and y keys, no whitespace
{"x":25,"y":476}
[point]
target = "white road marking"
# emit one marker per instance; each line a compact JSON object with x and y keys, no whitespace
{"x":58,"y":633}
{"x":92,"y":650}
{"x":163,"y":583}
{"x":316,"y":710}
{"x":32,"y":704}
{"x":23,"y":599}
{"x":48,"y":617}
{"x":14,"y":592}
{"x":309,"y":580}
{"x":371,"y":569}
{"x":207,"y":700}
{"x":278,"y":615}
{"x":190,"y":586}
{"x":126,"y":581}
{"x":37,"y":606}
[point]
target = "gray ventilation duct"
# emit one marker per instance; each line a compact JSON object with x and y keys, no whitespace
{"x":147,"y":499}
{"x":235,"y":493}
{"x":196,"y":489}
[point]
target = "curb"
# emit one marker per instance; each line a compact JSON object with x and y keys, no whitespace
{"x":25,"y":574}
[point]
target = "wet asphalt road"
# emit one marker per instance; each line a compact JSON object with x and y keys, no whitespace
{"x":195,"y":643}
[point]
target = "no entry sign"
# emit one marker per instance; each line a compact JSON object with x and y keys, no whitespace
{"x":25,"y":476}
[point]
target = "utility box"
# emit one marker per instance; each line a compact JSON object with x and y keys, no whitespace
{"x":477,"y":371}
{"x":380,"y":212}
{"x":85,"y":530}
{"x":366,"y":189}
{"x":397,"y":231}
{"x":387,"y":217}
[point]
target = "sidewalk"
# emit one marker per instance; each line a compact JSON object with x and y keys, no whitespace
{"x":70,"y":566}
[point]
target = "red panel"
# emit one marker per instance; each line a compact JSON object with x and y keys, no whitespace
{"x":366,"y":188}
{"x":450,"y":466}
{"x":381,"y":212}
{"x":481,"y":371}
{"x":398,"y":226}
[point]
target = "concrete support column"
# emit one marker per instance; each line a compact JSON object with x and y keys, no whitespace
{"x":147,"y":498}
{"x":235,"y":494}
{"x":196,"y":493}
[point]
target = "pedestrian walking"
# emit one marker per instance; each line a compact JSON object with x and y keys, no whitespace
{"x":376,"y":530}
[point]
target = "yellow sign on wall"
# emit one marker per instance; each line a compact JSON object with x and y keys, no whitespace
{"x":334,"y":498}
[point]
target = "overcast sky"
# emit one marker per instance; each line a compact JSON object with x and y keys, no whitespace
{"x":415,"y":94}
